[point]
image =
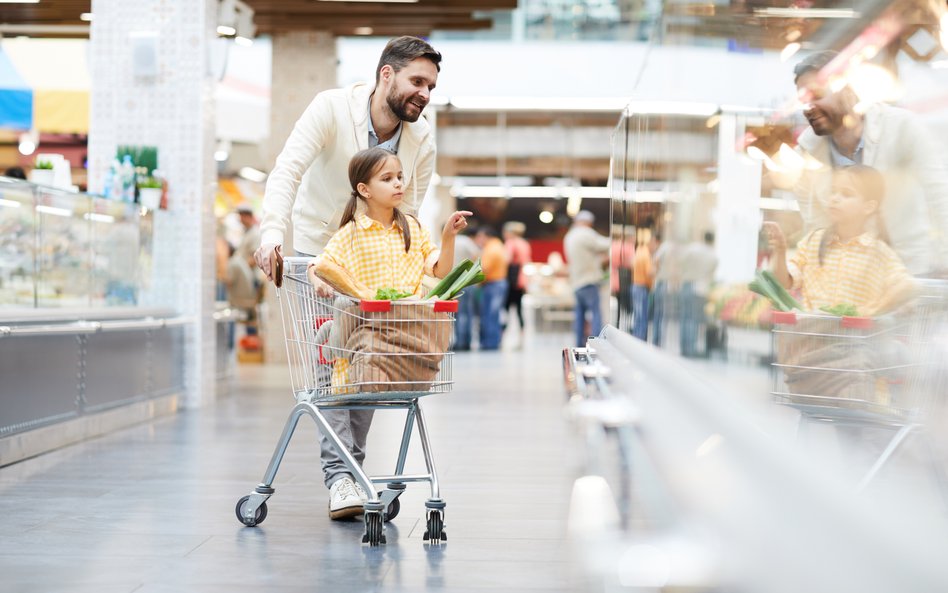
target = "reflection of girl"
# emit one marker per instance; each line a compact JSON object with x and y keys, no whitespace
{"x":846,"y":263}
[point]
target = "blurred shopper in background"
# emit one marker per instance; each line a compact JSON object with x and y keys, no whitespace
{"x":620,"y":270}
{"x":241,"y":288}
{"x":465,"y":248}
{"x":251,"y":238}
{"x":310,"y":181}
{"x":586,"y":253}
{"x":698,"y":264}
{"x":518,"y":255}
{"x":643,"y":278}
{"x":494,"y":289}
{"x":666,"y":268}
{"x":883,"y":137}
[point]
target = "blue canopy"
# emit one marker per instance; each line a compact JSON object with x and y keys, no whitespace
{"x":16,"y":97}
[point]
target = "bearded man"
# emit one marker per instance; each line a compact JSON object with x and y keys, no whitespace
{"x":309,"y":184}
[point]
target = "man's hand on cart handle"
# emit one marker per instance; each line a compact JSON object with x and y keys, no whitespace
{"x":263,"y":256}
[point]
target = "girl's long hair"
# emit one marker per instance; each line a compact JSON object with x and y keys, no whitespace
{"x":870,"y":184}
{"x":362,"y":167}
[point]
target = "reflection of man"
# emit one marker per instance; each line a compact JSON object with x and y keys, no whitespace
{"x":889,"y":139}
{"x":585,"y":253}
{"x":698,"y":263}
{"x":310,"y":181}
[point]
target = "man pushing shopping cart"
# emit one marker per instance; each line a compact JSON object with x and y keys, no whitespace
{"x":354,"y":345}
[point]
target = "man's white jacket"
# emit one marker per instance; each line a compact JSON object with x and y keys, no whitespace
{"x":915,"y":210}
{"x":310,"y":180}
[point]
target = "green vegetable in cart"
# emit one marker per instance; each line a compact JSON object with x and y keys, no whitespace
{"x":469,"y":278}
{"x":390,"y":294}
{"x":446,"y":282}
{"x":841,"y":310}
{"x":767,"y":285}
{"x":465,"y":274}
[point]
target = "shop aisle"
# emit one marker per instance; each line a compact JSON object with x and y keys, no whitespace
{"x":151,"y":509}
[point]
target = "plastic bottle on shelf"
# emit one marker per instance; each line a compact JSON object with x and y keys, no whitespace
{"x":128,"y":179}
{"x":116,"y":190}
{"x":107,"y":183}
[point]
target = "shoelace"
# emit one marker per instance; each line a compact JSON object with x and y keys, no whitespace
{"x":347,"y":489}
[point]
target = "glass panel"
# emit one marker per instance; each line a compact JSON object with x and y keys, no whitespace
{"x":117,"y":253}
{"x":65,"y":253}
{"x":17,"y":244}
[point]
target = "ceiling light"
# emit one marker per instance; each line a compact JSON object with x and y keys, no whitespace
{"x":96,"y":217}
{"x":9,"y":203}
{"x":86,"y":16}
{"x":672,"y":108}
{"x":27,"y":144}
{"x":789,"y":51}
{"x":227,"y":18}
{"x":614,"y":104}
{"x":546,"y":217}
{"x":363,"y":30}
{"x":805,"y":13}
{"x":19,"y":1}
{"x":53,"y":210}
{"x":251,"y":174}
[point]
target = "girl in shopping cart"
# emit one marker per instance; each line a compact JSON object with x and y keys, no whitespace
{"x":377,"y":246}
{"x":849,"y":262}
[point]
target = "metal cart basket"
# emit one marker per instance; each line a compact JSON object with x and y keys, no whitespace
{"x":857,"y":371}
{"x":350,"y":354}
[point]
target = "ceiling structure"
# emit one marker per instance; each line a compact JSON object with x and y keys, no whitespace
{"x":61,"y":18}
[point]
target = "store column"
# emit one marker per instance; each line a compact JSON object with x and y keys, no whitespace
{"x":304,"y":63}
{"x":151,"y":85}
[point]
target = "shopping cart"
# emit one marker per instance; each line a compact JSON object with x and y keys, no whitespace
{"x":863,"y":372}
{"x":350,"y":354}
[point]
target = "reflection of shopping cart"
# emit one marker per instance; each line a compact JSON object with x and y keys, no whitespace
{"x":350,"y":354}
{"x":860,"y":372}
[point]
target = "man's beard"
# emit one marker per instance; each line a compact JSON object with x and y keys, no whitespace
{"x":399,"y":106}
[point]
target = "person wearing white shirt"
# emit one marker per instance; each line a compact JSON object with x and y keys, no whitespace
{"x":586,"y":252}
{"x":310,"y":186}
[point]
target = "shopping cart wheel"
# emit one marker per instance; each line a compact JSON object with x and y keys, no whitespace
{"x":435,"y":533}
{"x":373,"y":529}
{"x":258,"y":516}
{"x":392,"y":511}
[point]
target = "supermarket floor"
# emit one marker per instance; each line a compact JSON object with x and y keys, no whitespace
{"x":151,"y":509}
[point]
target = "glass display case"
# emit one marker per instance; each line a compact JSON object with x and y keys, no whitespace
{"x":65,"y":249}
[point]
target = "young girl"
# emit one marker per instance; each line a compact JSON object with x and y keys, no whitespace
{"x":850,"y":262}
{"x":378,"y":246}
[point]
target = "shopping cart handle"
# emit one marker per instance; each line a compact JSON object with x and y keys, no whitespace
{"x":370,"y":306}
{"x":446,"y":307}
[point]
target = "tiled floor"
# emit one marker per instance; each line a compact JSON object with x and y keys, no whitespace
{"x":151,"y":509}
